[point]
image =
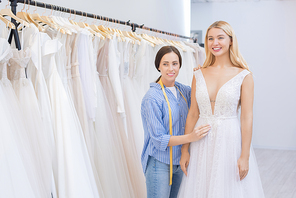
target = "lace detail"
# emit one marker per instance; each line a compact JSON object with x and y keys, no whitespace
{"x":4,"y":59}
{"x":3,"y":67}
{"x":5,"y":82}
{"x":227,"y":99}
{"x":18,"y":63}
{"x":8,"y":55}
{"x":201,"y":95}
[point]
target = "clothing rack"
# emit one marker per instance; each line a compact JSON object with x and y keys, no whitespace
{"x":134,"y":26}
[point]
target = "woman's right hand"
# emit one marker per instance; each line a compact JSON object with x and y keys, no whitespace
{"x":199,"y":132}
{"x":184,"y":161}
{"x":197,"y":68}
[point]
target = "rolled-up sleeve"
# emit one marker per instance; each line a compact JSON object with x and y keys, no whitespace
{"x":152,"y":119}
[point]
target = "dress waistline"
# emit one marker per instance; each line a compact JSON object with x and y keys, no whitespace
{"x":217,"y":117}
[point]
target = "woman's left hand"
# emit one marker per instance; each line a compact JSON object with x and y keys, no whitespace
{"x":243,"y":167}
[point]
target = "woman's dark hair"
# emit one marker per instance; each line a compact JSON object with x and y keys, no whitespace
{"x":163,"y":51}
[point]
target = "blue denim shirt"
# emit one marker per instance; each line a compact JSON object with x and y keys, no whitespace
{"x":155,"y":117}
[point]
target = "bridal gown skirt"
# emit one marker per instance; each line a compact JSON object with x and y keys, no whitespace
{"x":213,"y":171}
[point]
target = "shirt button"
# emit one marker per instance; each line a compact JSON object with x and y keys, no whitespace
{"x":181,"y":115}
{"x":178,"y":104}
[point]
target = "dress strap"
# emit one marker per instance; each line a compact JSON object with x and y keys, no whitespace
{"x":242,"y":76}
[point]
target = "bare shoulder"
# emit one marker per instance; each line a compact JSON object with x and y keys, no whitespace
{"x":203,"y":69}
{"x":237,"y":70}
{"x":248,"y":80}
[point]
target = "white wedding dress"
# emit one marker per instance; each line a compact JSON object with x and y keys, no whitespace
{"x":212,"y":170}
{"x":74,"y":175}
{"x":15,"y":164}
{"x":108,"y":68}
{"x":39,"y":143}
{"x":134,"y":123}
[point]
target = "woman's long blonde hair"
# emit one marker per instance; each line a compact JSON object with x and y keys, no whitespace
{"x":235,"y":56}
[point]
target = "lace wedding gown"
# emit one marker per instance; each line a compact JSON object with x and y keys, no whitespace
{"x":212,"y":170}
{"x":40,"y":166}
{"x":15,"y":163}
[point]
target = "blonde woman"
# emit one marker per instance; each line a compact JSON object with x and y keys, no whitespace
{"x":222,"y":164}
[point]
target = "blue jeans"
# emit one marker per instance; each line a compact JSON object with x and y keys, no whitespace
{"x":158,"y":178}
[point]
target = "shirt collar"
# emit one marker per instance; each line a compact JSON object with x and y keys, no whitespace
{"x":157,"y":86}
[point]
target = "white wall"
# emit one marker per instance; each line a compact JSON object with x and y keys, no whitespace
{"x":266,"y":32}
{"x":166,"y":15}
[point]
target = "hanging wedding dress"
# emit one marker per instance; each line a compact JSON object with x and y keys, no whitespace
{"x":140,"y":67}
{"x":199,"y":53}
{"x":40,"y":146}
{"x":87,"y":71}
{"x":16,"y":180}
{"x":131,"y":100}
{"x":107,"y":153}
{"x":188,"y":63}
{"x":32,"y":39}
{"x":74,"y":174}
{"x":74,"y":78}
{"x":67,"y":66}
{"x":108,"y":68}
{"x":134,"y":124}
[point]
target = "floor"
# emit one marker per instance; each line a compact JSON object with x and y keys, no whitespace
{"x":278,"y":172}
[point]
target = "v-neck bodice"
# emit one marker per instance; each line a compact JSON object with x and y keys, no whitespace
{"x":227,"y":98}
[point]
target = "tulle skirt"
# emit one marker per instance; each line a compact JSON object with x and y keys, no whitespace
{"x":16,"y":179}
{"x":213,"y":171}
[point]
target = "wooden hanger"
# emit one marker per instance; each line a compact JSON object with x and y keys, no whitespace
{"x":46,"y":17}
{"x":61,"y":26}
{"x":86,"y":25}
{"x":149,"y":39}
{"x":80,"y":23}
{"x":72,"y":21}
{"x":118,"y":30}
{"x":60,"y":29}
{"x":27,"y":16}
{"x":105,"y":30}
{"x":7,"y":22}
{"x":101,"y":31}
{"x":117,"y":33}
{"x":66,"y":24}
{"x":8,"y":12}
{"x":134,"y":35}
{"x":36,"y":17}
{"x":96,"y":29}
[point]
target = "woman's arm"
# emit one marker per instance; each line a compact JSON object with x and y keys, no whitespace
{"x":247,"y":97}
{"x":190,"y":134}
{"x":194,"y":135}
{"x":152,"y":118}
{"x":192,"y":118}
